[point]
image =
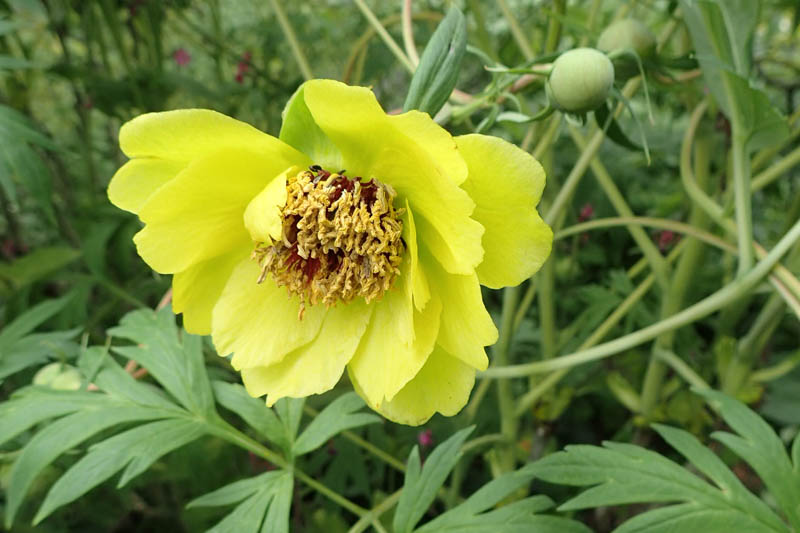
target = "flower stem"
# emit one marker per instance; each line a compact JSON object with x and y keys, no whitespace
{"x":288,"y":32}
{"x":701,"y":309}
{"x":505,"y":400}
{"x":387,"y":39}
{"x":408,"y":34}
{"x":516,"y":30}
{"x":372,"y":516}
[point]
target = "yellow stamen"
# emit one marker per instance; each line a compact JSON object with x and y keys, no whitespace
{"x":341,"y":239}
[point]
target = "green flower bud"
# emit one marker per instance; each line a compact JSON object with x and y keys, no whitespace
{"x":628,"y":34}
{"x":580,"y":80}
{"x":58,"y":376}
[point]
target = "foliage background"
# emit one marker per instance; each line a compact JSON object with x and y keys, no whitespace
{"x":71,"y":72}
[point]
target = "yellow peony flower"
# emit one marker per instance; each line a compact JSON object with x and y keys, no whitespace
{"x":356,"y":239}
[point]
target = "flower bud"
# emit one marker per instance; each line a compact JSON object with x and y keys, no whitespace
{"x":628,"y":34}
{"x":580,"y":81}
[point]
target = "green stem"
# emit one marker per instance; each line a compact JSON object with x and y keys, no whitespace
{"x":226,"y":431}
{"x":516,"y":31}
{"x":372,"y":516}
{"x":408,"y":34}
{"x":288,"y":32}
{"x":645,"y":243}
{"x":554,"y":26}
{"x":701,"y":309}
{"x":672,"y":299}
{"x":532,"y":396}
{"x":681,"y":368}
{"x":769,"y":175}
{"x":384,"y":35}
{"x":742,"y":195}
{"x":505,"y":399}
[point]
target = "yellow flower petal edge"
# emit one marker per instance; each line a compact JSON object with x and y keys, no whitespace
{"x":506,"y":183}
{"x":356,"y":240}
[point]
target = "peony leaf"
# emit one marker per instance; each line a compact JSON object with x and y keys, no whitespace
{"x":338,"y":416}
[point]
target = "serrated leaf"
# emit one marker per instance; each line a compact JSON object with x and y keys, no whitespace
{"x":254,"y":411}
{"x":437,"y":73}
{"x":338,"y":416}
{"x":761,"y":448}
{"x":62,"y":435}
{"x":134,"y":450}
{"x":421,"y":483}
{"x":176,"y":363}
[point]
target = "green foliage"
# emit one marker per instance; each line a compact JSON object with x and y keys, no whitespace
{"x":115,"y":420}
{"x":621,"y":473}
{"x":440,"y":64}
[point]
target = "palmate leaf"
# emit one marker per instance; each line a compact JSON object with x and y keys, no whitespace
{"x":338,"y":416}
{"x":175,"y":361}
{"x":264,"y":504}
{"x":517,"y":517}
{"x":623,"y":474}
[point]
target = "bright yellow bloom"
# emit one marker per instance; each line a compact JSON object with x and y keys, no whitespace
{"x":356,"y":239}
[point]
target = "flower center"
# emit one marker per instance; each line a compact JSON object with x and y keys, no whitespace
{"x":341,"y":239}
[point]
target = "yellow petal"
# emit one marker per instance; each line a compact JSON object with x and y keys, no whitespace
{"x":259,"y":322}
{"x":199,"y":214}
{"x":317,"y":366}
{"x":419,"y":288}
{"x":186,"y":134}
{"x":262,"y":218}
{"x":372,"y":146}
{"x":443,"y":385}
{"x":466,"y":326}
{"x":196,"y":290}
{"x":299,"y":130}
{"x":506,"y":183}
{"x":435,"y":141}
{"x":138,"y":179}
{"x":395,"y":345}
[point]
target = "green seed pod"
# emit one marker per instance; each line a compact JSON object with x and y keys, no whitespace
{"x":628,"y":34}
{"x":580,"y":80}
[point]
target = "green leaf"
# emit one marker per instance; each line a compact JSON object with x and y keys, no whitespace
{"x":421,"y":483}
{"x":277,"y":519}
{"x":290,"y":411}
{"x":135,"y":450}
{"x":722,"y":33}
{"x":761,"y":448}
{"x":62,"y":435}
{"x":98,"y":366}
{"x":516,"y":517}
{"x":624,"y":474}
{"x":33,"y":405}
{"x":606,"y":121}
{"x":254,"y":411}
{"x":338,"y":416}
{"x":437,"y":73}
{"x":236,"y":491}
{"x":31,"y":319}
{"x":266,"y":499}
{"x":36,"y":265}
{"x":14,"y":126}
{"x":176,"y":363}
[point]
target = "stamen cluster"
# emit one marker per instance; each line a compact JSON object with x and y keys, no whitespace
{"x":341,"y":239}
